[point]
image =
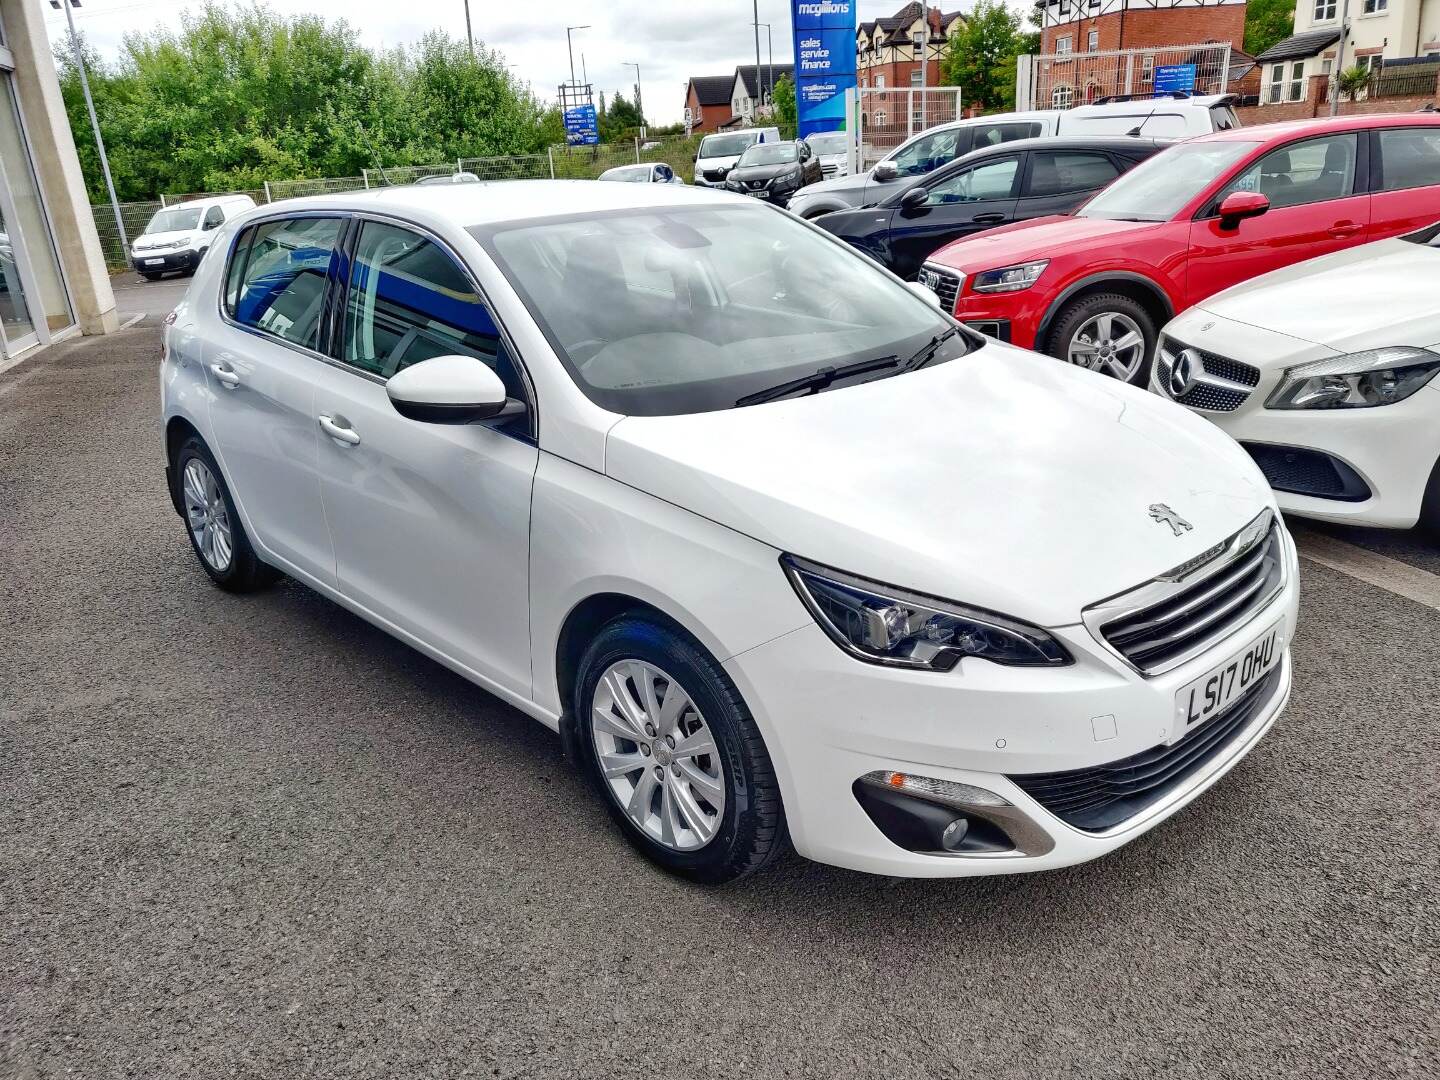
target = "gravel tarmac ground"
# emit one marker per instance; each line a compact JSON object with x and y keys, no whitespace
{"x":255,"y":837}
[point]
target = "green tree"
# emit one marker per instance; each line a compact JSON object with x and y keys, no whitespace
{"x":1353,"y":80}
{"x":980,"y":59}
{"x":620,"y":119}
{"x":1266,"y":22}
{"x":784,"y":102}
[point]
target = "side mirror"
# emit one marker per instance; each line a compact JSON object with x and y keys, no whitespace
{"x":449,"y":390}
{"x":886,"y":170}
{"x":1239,"y":205}
{"x":208,"y":225}
{"x":924,"y":293}
{"x":915,"y":197}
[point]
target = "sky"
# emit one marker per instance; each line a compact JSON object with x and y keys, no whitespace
{"x":670,"y":39}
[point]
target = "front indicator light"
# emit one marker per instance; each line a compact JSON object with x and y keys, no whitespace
{"x":1362,"y":380}
{"x":1009,"y":278}
{"x":882,"y":625}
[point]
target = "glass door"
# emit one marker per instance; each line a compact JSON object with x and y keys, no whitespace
{"x":16,"y":330}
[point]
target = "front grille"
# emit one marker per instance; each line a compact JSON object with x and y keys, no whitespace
{"x":943,"y":283}
{"x":716,"y":175}
{"x":1165,"y":622}
{"x":829,"y":170}
{"x":1103,"y":796}
{"x":756,"y":185}
{"x":1308,"y":472}
{"x":1217,"y":383}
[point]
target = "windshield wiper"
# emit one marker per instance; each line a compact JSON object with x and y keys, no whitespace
{"x":818,"y":380}
{"x":928,"y":350}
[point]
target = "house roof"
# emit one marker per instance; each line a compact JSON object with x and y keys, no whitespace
{"x":1300,"y":46}
{"x":746,"y":73}
{"x":712,"y":89}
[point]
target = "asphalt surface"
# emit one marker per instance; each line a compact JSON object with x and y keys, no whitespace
{"x":254,"y":837}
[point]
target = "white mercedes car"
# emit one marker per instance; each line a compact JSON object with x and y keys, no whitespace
{"x":1325,"y":373}
{"x":778,"y":548}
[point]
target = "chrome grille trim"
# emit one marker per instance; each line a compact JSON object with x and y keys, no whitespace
{"x":944,"y":283}
{"x":1221,"y":385}
{"x":1161,"y":624}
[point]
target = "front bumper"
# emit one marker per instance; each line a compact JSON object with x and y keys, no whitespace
{"x":776,"y":198}
{"x":158,"y":262}
{"x":829,"y":719}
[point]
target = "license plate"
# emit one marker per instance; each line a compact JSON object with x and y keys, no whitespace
{"x":1210,"y":694}
{"x":760,"y":194}
{"x":154,"y":262}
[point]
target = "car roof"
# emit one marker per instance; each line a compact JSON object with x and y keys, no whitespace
{"x":1286,"y":130}
{"x":1073,"y":142}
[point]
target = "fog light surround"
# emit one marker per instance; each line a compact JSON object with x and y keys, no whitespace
{"x":944,"y":817}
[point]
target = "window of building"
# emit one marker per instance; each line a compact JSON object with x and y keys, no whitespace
{"x":1064,"y":46}
{"x":1064,"y":7}
{"x":1375,"y":7}
{"x":918,"y":40}
{"x":1147,"y":70}
{"x":276,"y":279}
{"x":1297,"y":82}
{"x":1324,"y":10}
{"x":917,"y":77}
{"x":880,"y":82}
{"x":1062,"y":97}
{"x":1092,"y":41}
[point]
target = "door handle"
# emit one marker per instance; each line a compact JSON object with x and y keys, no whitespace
{"x":226,"y":374}
{"x":1344,"y":228}
{"x":988,"y":219}
{"x":347,"y":435}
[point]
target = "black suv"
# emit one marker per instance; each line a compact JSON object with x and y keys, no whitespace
{"x":774,"y":171}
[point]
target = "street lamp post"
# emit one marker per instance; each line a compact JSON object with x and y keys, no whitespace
{"x":94,"y":121}
{"x":469,"y":34}
{"x":570,"y":47}
{"x":639,"y":106}
{"x":770,"y":58}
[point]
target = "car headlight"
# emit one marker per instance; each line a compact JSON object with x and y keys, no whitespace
{"x":1359,"y":380}
{"x":1010,"y":278}
{"x":882,"y":625}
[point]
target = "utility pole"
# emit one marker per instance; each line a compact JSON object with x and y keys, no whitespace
{"x":570,"y":48}
{"x":770,"y":54}
{"x":469,"y":34}
{"x":1339,"y":59}
{"x":755,"y":21}
{"x":639,"y":105}
{"x":94,"y":121}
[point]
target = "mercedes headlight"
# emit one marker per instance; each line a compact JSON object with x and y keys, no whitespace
{"x":1359,"y":380}
{"x":882,"y":625}
{"x":1010,"y":278}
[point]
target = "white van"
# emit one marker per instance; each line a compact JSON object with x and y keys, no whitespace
{"x":178,"y":236}
{"x":719,"y":152}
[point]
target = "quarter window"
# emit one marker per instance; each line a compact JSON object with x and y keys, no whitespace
{"x":993,"y":180}
{"x":1409,"y":158}
{"x":276,"y":278}
{"x":408,"y":301}
{"x":1307,"y":172}
{"x":1054,"y":172}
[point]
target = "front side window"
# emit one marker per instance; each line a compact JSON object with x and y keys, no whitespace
{"x":926,"y":154}
{"x":214,"y":217}
{"x":1064,"y":172}
{"x":993,"y":180}
{"x":690,"y":309}
{"x":1158,"y":188}
{"x":276,"y":278}
{"x":1305,"y":172}
{"x":1409,"y":158}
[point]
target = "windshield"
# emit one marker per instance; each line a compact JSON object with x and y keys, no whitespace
{"x":659,"y":312}
{"x":176,"y":219}
{"x":768,"y":154}
{"x":635,"y":174}
{"x":833,"y":143}
{"x":727,"y":145}
{"x":1156,"y":189}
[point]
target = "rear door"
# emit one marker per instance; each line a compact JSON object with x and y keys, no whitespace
{"x":1057,"y":181}
{"x":1406,"y":170}
{"x":1318,"y":204}
{"x":979,"y":197}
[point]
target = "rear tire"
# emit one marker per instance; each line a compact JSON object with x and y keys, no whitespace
{"x":723,"y":806}
{"x":216,"y":534}
{"x":1093,"y":333}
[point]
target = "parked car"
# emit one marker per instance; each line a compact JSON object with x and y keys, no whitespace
{"x":449,"y":178}
{"x":646,"y":173}
{"x":832,"y":148}
{"x":1324,"y":372}
{"x":1176,"y":116}
{"x":1095,"y":287}
{"x":177,"y":237}
{"x":1014,"y":181}
{"x":718,"y":153}
{"x":774,"y":171}
{"x":703,"y":521}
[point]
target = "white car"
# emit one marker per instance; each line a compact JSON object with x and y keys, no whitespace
{"x":778,"y":548}
{"x":178,"y":236}
{"x":833,"y":150}
{"x":645,"y":173}
{"x":1324,"y":372}
{"x":718,"y":153}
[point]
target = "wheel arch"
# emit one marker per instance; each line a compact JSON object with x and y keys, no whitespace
{"x":177,"y":430}
{"x":1141,"y":289}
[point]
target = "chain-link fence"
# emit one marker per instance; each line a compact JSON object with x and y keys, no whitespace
{"x":889,"y":117}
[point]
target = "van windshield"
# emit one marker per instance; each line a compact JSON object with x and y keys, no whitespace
{"x":174,"y":219}
{"x":1156,"y":189}
{"x":729,"y":144}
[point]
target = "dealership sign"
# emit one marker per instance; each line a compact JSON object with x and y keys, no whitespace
{"x":1172,"y":77}
{"x":581,"y":128}
{"x":824,"y":33}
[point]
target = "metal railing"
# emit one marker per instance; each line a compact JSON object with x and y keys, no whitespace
{"x":1064,"y":80}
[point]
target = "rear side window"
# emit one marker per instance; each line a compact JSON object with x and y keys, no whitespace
{"x":1060,"y":172}
{"x":1409,"y":158}
{"x":276,"y":278}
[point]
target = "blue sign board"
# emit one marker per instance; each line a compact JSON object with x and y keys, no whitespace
{"x":824,"y":36}
{"x":581,"y":128}
{"x":1169,"y":77}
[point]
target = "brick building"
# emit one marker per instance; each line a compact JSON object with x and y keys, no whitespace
{"x":707,"y":101}
{"x":890,"y":51}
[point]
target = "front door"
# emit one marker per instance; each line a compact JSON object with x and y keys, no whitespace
{"x":431,"y":522}
{"x":965,"y":202}
{"x":260,"y":367}
{"x":1312,"y":186}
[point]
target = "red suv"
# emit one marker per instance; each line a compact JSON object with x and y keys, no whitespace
{"x":1095,"y":286}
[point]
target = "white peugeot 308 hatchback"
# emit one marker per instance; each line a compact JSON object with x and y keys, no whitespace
{"x":779,"y":549}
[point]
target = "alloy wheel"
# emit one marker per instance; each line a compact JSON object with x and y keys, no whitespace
{"x":207,"y":516}
{"x":657,"y":755}
{"x":1110,"y":343}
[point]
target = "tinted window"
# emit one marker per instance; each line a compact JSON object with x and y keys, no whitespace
{"x":927,"y":153}
{"x":1059,"y":172}
{"x":993,"y":180}
{"x":281,"y":288}
{"x":1409,"y":157}
{"x":994,"y":134}
{"x":408,"y":301}
{"x":1304,"y":172}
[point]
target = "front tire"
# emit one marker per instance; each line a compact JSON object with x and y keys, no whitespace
{"x":216,"y":534}
{"x":1108,"y":333}
{"x":1430,"y":504}
{"x":667,"y":740}
{"x":149,"y":277}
